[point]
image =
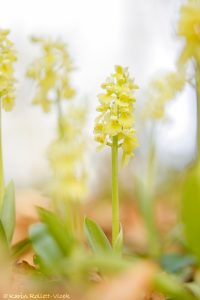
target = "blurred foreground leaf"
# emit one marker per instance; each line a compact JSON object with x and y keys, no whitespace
{"x":195,"y":288}
{"x":20,"y":248}
{"x":175,"y":262}
{"x":58,"y":230}
{"x":46,"y":247}
{"x":96,"y":237}
{"x":3,"y":238}
{"x":172,"y":287}
{"x":191,"y":212}
{"x":8,"y":211}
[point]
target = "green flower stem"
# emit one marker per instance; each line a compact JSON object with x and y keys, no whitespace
{"x":151,"y":160}
{"x":146,"y":195}
{"x":1,"y":162}
{"x":198,"y":109}
{"x":77,"y":220}
{"x":154,"y":245}
{"x":115,"y":197}
{"x":154,"y":248}
{"x":60,"y":115}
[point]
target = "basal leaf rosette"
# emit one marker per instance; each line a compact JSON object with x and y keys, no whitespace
{"x":51,"y":72}
{"x":7,"y":80}
{"x":116,"y":113}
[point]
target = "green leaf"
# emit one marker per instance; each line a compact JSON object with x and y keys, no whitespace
{"x":58,"y":230}
{"x":20,"y":248}
{"x":8,"y":211}
{"x":118,"y":246}
{"x":191,"y":212}
{"x":175,"y":262}
{"x":46,"y":247}
{"x":105,"y":263}
{"x":172,"y":287}
{"x":96,"y":237}
{"x":3,"y":240}
{"x":195,"y":288}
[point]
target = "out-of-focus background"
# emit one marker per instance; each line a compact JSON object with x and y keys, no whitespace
{"x":139,"y":34}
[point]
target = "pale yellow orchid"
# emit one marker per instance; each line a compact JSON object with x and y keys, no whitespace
{"x":116,"y":110}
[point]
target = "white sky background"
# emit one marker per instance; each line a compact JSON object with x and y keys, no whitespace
{"x":100,"y":33}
